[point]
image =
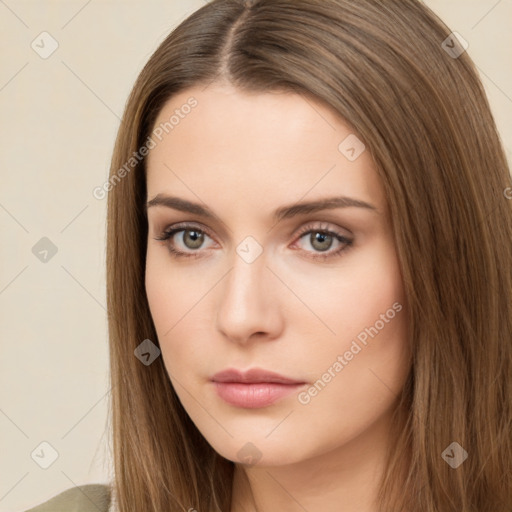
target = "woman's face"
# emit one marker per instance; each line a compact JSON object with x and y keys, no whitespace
{"x":267,"y":267}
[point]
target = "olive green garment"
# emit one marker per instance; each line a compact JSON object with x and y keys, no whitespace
{"x":84,"y":498}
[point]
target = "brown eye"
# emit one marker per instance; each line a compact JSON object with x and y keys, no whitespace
{"x":184,"y":241}
{"x":320,"y":241}
{"x":192,"y":238}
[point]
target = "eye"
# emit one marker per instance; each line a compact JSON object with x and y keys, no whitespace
{"x":321,"y":240}
{"x":186,"y":240}
{"x":184,"y":237}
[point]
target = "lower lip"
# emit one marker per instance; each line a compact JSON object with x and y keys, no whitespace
{"x":253,"y":396}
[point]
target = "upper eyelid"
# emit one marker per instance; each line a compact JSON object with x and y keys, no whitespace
{"x":300,"y":232}
{"x":346,"y":241}
{"x":185,"y":226}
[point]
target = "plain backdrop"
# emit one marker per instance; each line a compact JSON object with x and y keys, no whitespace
{"x":59,"y":115}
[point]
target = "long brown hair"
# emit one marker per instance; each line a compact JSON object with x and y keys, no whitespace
{"x":389,"y":70}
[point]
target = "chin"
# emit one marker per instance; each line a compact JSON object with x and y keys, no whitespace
{"x":258,"y":451}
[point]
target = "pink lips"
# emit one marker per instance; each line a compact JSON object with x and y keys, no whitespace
{"x":254,"y":388}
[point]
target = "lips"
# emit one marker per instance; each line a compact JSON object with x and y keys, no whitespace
{"x":255,"y":375}
{"x":254,"y":388}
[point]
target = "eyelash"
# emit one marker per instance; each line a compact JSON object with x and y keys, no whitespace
{"x":167,"y":234}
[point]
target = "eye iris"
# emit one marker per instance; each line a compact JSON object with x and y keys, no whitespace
{"x":195,"y":237}
{"x":321,"y":238}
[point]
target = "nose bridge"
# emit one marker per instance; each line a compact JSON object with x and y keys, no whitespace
{"x":245,"y":305}
{"x":245,"y":283}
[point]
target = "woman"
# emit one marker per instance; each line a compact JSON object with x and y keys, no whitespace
{"x":310,"y":268}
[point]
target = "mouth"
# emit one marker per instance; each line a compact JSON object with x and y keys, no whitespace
{"x":254,"y":388}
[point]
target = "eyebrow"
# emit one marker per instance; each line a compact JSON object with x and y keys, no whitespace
{"x":280,"y":214}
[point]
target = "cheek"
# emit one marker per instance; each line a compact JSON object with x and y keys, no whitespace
{"x":175,"y":299}
{"x":158,"y":292}
{"x":339,"y":303}
{"x":359,"y":374}
{"x":379,"y":316}
{"x":367,"y":359}
{"x":170,"y":291}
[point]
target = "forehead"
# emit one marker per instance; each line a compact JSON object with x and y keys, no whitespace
{"x":250,"y":118}
{"x":255,"y":142}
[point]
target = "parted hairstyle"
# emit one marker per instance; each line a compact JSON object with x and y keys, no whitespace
{"x":391,"y":70}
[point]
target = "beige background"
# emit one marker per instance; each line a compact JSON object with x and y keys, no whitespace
{"x":59,"y":117}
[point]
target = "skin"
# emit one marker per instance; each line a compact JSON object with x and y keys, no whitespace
{"x":243,"y":156}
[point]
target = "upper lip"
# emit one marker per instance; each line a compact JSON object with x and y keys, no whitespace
{"x":254,"y":375}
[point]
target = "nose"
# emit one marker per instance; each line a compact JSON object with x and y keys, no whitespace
{"x":249,"y":306}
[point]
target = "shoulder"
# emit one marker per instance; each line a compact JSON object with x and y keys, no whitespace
{"x":83,"y":498}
